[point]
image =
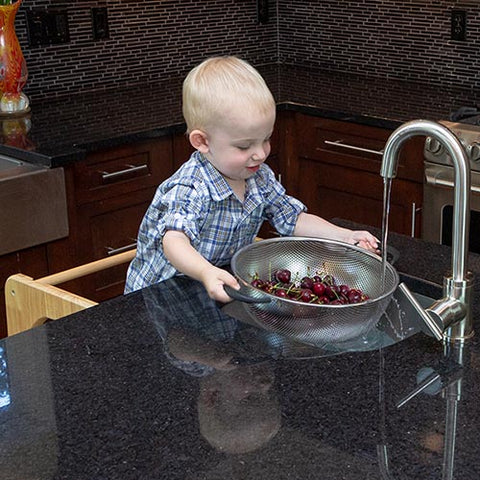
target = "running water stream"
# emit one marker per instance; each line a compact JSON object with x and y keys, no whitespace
{"x":387,"y":190}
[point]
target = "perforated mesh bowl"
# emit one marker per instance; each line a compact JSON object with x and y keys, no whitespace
{"x":314,"y":323}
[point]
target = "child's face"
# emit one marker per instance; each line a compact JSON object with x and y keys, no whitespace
{"x":240,"y":142}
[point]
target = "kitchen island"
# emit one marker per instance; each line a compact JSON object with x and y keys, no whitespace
{"x":164,"y":384}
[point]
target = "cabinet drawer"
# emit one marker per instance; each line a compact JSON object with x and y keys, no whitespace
{"x":356,"y":146}
{"x":117,"y":171}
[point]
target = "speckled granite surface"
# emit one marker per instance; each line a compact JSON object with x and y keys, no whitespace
{"x":162,"y":384}
{"x":63,"y":130}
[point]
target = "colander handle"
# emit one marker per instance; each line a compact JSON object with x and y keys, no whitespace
{"x":243,"y":297}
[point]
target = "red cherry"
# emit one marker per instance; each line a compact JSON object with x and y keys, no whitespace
{"x":354,"y":296}
{"x":257,"y":283}
{"x":330,"y":293}
{"x":318,"y":288}
{"x":306,"y":282}
{"x":283,"y":275}
{"x":306,"y":295}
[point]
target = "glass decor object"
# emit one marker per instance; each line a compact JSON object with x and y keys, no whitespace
{"x":13,"y":68}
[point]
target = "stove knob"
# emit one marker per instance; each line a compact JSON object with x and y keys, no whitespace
{"x":473,"y":151}
{"x":432,"y":145}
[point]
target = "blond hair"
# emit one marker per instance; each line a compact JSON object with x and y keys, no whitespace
{"x":217,"y":84}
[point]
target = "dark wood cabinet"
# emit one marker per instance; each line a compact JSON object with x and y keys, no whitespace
{"x":337,"y":174}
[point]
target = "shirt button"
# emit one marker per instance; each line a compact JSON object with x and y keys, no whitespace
{"x":232,"y":251}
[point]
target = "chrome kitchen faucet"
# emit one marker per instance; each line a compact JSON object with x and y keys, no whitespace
{"x":450,"y":318}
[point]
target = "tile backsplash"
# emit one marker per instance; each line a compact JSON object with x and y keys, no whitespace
{"x":395,"y":39}
{"x":149,"y":40}
{"x":152,"y":40}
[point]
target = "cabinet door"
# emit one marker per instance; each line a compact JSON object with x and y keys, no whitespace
{"x":335,"y":191}
{"x":337,"y":174}
{"x":110,"y":227}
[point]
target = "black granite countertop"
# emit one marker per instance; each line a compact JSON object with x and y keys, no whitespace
{"x":163,"y":384}
{"x":61,"y":130}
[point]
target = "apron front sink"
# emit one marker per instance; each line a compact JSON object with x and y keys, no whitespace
{"x":33,"y":206}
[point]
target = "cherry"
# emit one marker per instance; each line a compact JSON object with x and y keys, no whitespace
{"x":306,"y":295}
{"x":318,"y":288}
{"x":354,"y":296}
{"x":330,"y":293}
{"x":306,"y":282}
{"x":257,"y":283}
{"x":283,"y":275}
{"x":269,"y":286}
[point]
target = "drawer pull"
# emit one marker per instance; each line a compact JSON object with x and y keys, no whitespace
{"x":126,"y":171}
{"x":415,"y":210}
{"x":114,"y":251}
{"x":338,"y":143}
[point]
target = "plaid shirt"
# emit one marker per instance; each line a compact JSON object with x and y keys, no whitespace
{"x":198,"y":201}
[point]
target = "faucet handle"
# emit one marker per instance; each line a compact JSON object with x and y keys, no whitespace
{"x":429,"y":321}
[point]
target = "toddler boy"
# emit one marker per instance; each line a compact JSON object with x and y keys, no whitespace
{"x":217,"y":201}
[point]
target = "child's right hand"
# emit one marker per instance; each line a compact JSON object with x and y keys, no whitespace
{"x":214,"y":278}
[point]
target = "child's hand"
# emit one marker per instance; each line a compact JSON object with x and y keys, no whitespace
{"x":365,"y":240}
{"x":214,"y":278}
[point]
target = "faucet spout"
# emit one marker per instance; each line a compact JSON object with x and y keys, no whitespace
{"x":453,"y":311}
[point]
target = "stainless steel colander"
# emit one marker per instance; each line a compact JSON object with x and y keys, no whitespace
{"x":312,"y":323}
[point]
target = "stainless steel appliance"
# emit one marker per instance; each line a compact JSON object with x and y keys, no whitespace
{"x":439,"y":178}
{"x":33,"y":205}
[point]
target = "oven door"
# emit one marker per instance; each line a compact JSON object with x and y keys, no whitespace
{"x":437,"y":218}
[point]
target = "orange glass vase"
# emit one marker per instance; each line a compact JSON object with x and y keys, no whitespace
{"x":13,"y":68}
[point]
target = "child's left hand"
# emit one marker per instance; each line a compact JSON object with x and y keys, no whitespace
{"x":365,"y":240}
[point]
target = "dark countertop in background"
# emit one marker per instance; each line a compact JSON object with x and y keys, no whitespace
{"x":65,"y":129}
{"x":103,"y":394}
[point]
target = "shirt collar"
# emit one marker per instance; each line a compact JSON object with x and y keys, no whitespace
{"x":218,"y":186}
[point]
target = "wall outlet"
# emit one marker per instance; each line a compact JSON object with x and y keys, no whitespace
{"x":47,"y":27}
{"x":458,"y":21}
{"x":100,"y":23}
{"x":262,"y":11}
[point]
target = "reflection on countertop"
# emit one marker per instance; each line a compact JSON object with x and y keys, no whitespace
{"x":64,"y":129}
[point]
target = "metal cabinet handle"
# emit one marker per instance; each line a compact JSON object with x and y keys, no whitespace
{"x":130,"y":169}
{"x":415,"y":210}
{"x":114,"y":251}
{"x":339,"y":143}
